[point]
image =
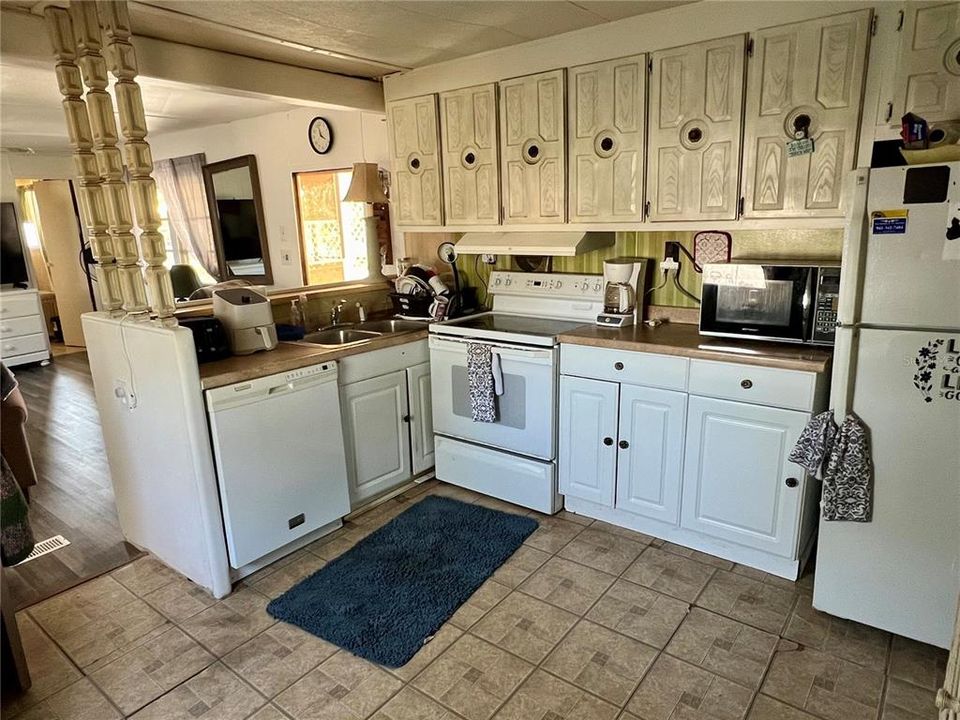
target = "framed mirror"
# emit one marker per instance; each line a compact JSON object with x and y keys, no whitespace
{"x":236,"y":213}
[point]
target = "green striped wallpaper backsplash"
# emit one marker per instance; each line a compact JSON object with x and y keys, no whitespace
{"x":794,"y":244}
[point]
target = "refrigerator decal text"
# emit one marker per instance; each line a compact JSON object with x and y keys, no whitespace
{"x":938,"y":370}
{"x":888,"y":222}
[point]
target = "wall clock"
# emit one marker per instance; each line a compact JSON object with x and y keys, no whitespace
{"x":321,"y":135}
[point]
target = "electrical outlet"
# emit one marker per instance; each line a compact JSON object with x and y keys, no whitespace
{"x":124,"y":393}
{"x":488,"y":259}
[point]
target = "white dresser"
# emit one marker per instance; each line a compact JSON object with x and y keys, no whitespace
{"x":23,"y":333}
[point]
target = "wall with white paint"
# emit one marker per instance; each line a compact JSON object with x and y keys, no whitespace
{"x":279,"y":142}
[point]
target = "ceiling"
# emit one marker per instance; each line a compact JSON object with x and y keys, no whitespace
{"x":31,"y":116}
{"x":372,"y":38}
{"x":361,"y":38}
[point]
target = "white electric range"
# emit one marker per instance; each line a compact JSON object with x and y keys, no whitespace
{"x":513,"y":458}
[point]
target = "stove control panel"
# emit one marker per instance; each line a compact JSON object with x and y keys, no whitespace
{"x":547,"y":285}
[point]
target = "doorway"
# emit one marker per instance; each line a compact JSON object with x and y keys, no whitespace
{"x":54,"y":241}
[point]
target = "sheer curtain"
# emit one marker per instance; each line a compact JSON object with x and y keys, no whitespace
{"x":181,"y":182}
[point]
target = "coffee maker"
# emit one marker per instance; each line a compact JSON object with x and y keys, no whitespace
{"x":624,"y":286}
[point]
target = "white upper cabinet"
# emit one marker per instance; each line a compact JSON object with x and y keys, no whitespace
{"x":696,"y":108}
{"x":606,"y":107}
{"x":928,"y":72}
{"x":468,"y":139}
{"x":532,"y":148}
{"x":804,"y":77}
{"x":415,"y":155}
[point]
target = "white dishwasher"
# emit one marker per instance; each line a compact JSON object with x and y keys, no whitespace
{"x":281,"y":469}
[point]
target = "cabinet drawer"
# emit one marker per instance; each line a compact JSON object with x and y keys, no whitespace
{"x":635,"y":368}
{"x":752,"y":384}
{"x":10,"y":347}
{"x":375,"y":363}
{"x":15,"y":327}
{"x":12,"y":306}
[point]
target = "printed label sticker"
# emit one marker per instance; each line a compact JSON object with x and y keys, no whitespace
{"x":888,"y":222}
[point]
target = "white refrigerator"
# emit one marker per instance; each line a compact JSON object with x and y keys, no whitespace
{"x":897,"y":366}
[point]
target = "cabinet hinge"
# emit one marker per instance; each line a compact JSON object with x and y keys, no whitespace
{"x":650,"y":66}
{"x":740,"y":206}
{"x":873,"y":25}
{"x":900,"y":22}
{"x":646,"y":210}
{"x":750,"y":47}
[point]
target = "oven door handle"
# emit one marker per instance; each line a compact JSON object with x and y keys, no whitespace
{"x":504,"y":349}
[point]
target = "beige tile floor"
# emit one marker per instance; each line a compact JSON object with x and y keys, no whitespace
{"x":586,"y":621}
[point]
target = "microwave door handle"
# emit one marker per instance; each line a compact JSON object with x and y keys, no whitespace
{"x":809,"y":304}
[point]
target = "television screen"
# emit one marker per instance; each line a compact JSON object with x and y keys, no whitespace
{"x":13,"y":265}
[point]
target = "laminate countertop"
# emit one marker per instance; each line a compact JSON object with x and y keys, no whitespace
{"x":686,"y":341}
{"x":290,"y":356}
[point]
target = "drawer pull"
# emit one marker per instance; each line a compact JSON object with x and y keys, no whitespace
{"x":407,"y":418}
{"x":618,"y":366}
{"x":624,"y":444}
{"x":746,"y":384}
{"x":608,"y":441}
{"x":792,"y":482}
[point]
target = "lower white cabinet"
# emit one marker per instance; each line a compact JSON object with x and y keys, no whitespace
{"x":420,"y":401}
{"x":651,"y":452}
{"x":376,"y":434}
{"x":622,"y":445}
{"x":691,"y":451}
{"x":737,"y":482}
{"x":385,"y":402}
{"x":587,"y":464}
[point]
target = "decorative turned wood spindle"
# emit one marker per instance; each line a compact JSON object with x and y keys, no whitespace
{"x":133,"y":126}
{"x":93,"y":66}
{"x":93,"y":210}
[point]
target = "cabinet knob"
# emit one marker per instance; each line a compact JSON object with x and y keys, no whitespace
{"x":792,"y":482}
{"x":618,"y":366}
{"x":624,"y":444}
{"x":746,"y":384}
{"x":608,"y":441}
{"x":407,"y":418}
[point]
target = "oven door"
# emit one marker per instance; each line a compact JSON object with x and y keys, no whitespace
{"x":766,"y":302}
{"x":525,"y":410}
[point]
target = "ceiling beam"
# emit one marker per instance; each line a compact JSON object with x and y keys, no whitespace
{"x":23,"y":38}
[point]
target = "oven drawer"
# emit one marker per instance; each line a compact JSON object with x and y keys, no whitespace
{"x":633,"y":368}
{"x":749,"y":383}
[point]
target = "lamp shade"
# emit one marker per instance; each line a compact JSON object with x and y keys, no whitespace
{"x":365,"y":185}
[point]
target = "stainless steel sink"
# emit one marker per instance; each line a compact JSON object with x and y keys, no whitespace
{"x":392,"y":326}
{"x":339,"y":336}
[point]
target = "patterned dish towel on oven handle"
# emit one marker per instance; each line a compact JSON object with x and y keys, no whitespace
{"x":485,"y":380}
{"x":841,"y":457}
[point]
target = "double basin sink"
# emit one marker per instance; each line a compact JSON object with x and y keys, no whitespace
{"x":352,"y":334}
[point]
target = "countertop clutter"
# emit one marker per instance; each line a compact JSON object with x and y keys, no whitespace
{"x":290,"y":356}
{"x":686,"y":341}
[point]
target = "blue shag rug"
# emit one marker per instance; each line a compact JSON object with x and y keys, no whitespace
{"x":386,"y":596}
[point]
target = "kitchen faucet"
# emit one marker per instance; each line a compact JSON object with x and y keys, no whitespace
{"x":336,"y":311}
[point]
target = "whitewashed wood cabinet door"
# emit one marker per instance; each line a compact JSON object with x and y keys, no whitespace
{"x":928,"y":72}
{"x":533,"y":149}
{"x":468,"y":140}
{"x":805,"y":75}
{"x":737,"y":482}
{"x":415,"y":156}
{"x":420,"y":417}
{"x":696,"y":111}
{"x":587,"y":450}
{"x":606,"y":110}
{"x":652,"y":424}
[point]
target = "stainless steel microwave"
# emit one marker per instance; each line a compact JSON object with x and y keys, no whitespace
{"x":793,"y":303}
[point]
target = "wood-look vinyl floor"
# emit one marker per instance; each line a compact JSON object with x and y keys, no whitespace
{"x":74,"y":496}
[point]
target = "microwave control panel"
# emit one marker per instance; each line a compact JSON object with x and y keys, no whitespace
{"x":825,"y":307}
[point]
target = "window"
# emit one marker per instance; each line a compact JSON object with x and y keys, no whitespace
{"x":333,"y":233}
{"x":178,"y":252}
